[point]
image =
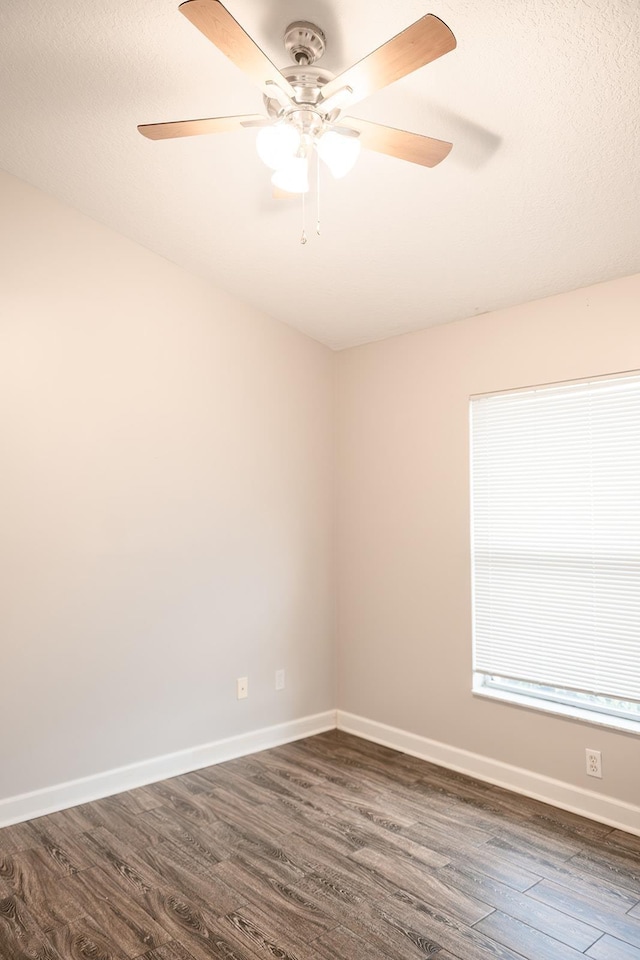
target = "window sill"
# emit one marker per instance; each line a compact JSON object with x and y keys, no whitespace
{"x":620,"y":724}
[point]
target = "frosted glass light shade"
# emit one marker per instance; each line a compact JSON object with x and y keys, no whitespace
{"x":339,"y":152}
{"x":278,"y":144}
{"x":293,"y":176}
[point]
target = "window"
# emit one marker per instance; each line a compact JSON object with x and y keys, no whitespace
{"x":555,"y":498}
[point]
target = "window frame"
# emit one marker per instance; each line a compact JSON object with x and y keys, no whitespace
{"x":557,"y":708}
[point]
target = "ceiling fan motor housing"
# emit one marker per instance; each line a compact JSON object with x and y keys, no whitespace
{"x":305,"y":42}
{"x":307,"y":83}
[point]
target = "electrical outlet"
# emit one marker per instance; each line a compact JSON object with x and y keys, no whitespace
{"x":279,"y":679}
{"x":594,"y":763}
{"x":242,"y":685}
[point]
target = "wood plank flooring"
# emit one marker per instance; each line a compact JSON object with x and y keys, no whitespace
{"x":329,"y":848}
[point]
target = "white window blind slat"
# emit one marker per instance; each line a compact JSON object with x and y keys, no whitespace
{"x":556,"y":536}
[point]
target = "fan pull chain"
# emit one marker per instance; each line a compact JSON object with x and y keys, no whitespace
{"x":303,"y":236}
{"x":317,"y":193}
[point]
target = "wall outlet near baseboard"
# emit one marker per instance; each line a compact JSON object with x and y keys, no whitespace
{"x":242,"y":688}
{"x":279,"y":679}
{"x":594,"y":763}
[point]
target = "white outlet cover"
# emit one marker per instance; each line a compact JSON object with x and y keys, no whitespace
{"x":594,"y":763}
{"x":242,"y":688}
{"x":279,"y":679}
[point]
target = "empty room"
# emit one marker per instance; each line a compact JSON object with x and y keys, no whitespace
{"x":320,"y":460}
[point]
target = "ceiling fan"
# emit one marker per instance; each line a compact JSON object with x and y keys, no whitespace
{"x":305,"y":104}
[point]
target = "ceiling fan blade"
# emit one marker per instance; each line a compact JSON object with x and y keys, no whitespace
{"x":195,"y":128}
{"x":424,"y":41}
{"x":398,"y":143}
{"x":218,"y":26}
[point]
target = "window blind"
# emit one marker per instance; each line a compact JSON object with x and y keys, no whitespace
{"x":556,"y":536}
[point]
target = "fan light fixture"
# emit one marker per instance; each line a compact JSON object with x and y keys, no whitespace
{"x":293,"y":176}
{"x":277,"y":145}
{"x":339,"y":151}
{"x":284,"y":149}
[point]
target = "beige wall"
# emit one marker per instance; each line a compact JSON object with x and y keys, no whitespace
{"x":166,"y":477}
{"x":404,"y":616}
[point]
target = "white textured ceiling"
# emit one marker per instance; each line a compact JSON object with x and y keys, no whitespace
{"x":541,"y":193}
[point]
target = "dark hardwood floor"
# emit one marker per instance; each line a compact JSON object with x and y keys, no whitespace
{"x":330,"y":848}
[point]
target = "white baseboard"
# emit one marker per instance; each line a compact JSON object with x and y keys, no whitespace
{"x":586,"y":803}
{"x":26,"y":806}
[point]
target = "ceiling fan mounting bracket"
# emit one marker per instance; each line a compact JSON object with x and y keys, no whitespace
{"x":305,"y":42}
